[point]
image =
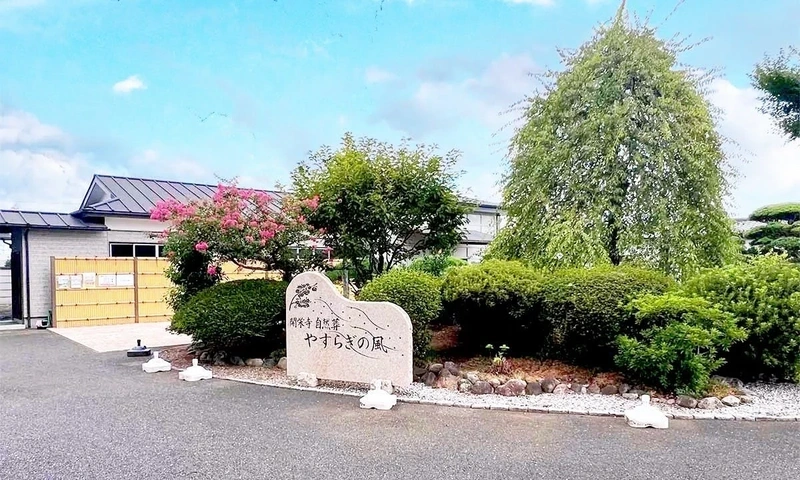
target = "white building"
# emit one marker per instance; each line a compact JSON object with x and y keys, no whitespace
{"x":113,"y":220}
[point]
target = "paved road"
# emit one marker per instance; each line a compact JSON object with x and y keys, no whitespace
{"x":69,"y":413}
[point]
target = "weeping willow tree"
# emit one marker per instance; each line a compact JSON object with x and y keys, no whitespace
{"x":618,"y":161}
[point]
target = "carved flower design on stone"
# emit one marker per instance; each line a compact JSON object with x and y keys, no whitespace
{"x":300,"y":298}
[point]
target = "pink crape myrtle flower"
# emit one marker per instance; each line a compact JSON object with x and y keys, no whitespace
{"x":212,"y":270}
{"x":201,"y":247}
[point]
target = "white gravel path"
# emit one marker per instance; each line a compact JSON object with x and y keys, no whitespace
{"x":770,"y":401}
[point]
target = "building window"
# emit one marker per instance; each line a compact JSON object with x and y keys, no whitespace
{"x":141,"y":250}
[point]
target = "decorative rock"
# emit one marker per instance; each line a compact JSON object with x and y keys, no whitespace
{"x":378,"y":398}
{"x":429,"y":379}
{"x":533,"y":388}
{"x":512,"y":388}
{"x":156,"y":364}
{"x":481,"y":388}
{"x":671,"y":401}
{"x":624,"y":388}
{"x":746,"y":399}
{"x":561,"y":389}
{"x":686,"y":401}
{"x":464,"y":386}
{"x":270,"y":363}
{"x":194,"y":373}
{"x":730,"y":400}
{"x":254,"y":362}
{"x":435,"y":368}
{"x":282,"y":363}
{"x":594,"y":389}
{"x":305,"y":379}
{"x":452,"y":368}
{"x":444,"y":373}
{"x":549,"y":384}
{"x":219,"y":359}
{"x":494,"y":382}
{"x":646,"y":415}
{"x":578,"y":387}
{"x":237,"y":361}
{"x":630,"y":396}
{"x":473,"y":377}
{"x":419,"y":371}
{"x":447,"y":381}
{"x":709,"y":403}
{"x":609,"y":390}
{"x":205,"y":357}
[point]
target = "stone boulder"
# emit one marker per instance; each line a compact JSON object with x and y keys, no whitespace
{"x":686,"y":401}
{"x":435,"y":368}
{"x":254,"y":362}
{"x":562,"y":389}
{"x":282,"y":363}
{"x":533,"y":388}
{"x":447,"y":381}
{"x":481,"y":388}
{"x":609,"y":390}
{"x":549,"y":384}
{"x":593,"y":388}
{"x":512,"y":388}
{"x":709,"y":403}
{"x":429,"y":379}
{"x":731,"y":401}
{"x":473,"y":377}
{"x":452,"y":368}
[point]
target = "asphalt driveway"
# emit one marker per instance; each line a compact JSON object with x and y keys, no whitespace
{"x":67,"y":412}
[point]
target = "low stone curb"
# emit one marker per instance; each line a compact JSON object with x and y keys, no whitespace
{"x":520,"y":409}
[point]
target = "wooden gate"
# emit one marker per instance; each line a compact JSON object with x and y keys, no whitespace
{"x":115,"y":291}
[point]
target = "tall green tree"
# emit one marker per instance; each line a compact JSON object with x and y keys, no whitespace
{"x":778,"y":80}
{"x":779,"y":234}
{"x":380,"y":204}
{"x":618,"y":161}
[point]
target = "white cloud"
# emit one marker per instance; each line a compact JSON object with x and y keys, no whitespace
{"x":439,"y":104}
{"x":40,"y":170}
{"x":129,"y":84}
{"x":378,"y":75}
{"x":769,"y":166}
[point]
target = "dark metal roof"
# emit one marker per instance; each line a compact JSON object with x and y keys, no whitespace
{"x":137,"y":197}
{"x":45,"y":220}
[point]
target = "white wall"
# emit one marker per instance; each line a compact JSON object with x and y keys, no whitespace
{"x":55,"y":243}
{"x":134,"y":224}
{"x":5,"y":287}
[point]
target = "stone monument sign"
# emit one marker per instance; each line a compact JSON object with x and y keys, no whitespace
{"x":339,"y":339}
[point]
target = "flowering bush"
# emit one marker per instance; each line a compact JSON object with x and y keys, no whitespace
{"x":249,"y":228}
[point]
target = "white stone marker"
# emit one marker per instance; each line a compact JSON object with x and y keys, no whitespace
{"x":339,"y":339}
{"x":194,"y":373}
{"x":156,"y":364}
{"x":646,"y":415}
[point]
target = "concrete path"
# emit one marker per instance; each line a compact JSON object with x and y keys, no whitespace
{"x":123,"y":337}
{"x":69,"y":413}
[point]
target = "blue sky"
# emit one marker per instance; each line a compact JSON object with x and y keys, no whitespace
{"x":192,"y":90}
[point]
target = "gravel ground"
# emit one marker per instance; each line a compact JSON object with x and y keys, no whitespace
{"x":769,"y":400}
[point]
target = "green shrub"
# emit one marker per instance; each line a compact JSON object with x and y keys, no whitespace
{"x":415,"y":292}
{"x":679,"y":352}
{"x":436,"y":265}
{"x":764,"y":296}
{"x":494,"y":302}
{"x":242,"y":317}
{"x":585,"y":310}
